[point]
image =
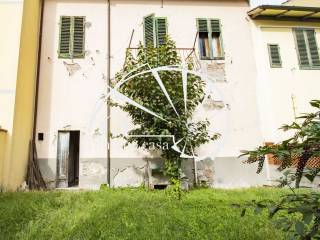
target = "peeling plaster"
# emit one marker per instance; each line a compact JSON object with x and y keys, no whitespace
{"x":88,"y":24}
{"x":92,"y":61}
{"x":130,"y":177}
{"x":92,"y":169}
{"x":72,"y":67}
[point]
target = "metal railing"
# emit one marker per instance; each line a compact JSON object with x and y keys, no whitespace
{"x":186,"y":54}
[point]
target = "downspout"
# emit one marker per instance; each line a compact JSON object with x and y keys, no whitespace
{"x":35,"y":114}
{"x":108,"y":99}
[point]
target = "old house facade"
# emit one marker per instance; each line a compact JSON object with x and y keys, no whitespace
{"x":74,"y":48}
{"x":73,"y":114}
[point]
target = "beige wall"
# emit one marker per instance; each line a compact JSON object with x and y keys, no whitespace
{"x":16,"y":164}
{"x":3,"y":143}
{"x":9,"y":57}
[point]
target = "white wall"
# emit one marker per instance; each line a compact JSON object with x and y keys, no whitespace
{"x":73,"y":102}
{"x":240,"y":124}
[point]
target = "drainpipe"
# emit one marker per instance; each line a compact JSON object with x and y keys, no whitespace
{"x":35,"y":114}
{"x":108,"y":99}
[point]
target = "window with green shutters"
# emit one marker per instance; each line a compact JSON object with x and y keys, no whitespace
{"x":307,"y":48}
{"x":274,"y":55}
{"x":210,"y":39}
{"x":72,"y":37}
{"x":155,"y":30}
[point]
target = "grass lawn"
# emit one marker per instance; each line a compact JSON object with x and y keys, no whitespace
{"x":134,"y":214}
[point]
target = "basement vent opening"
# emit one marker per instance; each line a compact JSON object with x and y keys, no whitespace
{"x":160,"y":186}
{"x":40,"y":136}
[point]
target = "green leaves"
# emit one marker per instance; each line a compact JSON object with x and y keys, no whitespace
{"x":315,"y":103}
{"x":300,"y":211}
{"x":243,"y":212}
{"x":297,"y":214}
{"x":300,"y":148}
{"x":299,"y":226}
{"x":307,"y":217}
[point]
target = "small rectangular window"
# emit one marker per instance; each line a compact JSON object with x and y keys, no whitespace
{"x":72,"y":37}
{"x":307,"y":49}
{"x":210,"y":39}
{"x":274,"y":56}
{"x":155,"y":31}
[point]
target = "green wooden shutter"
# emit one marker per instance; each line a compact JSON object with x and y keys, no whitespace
{"x":161,"y":26}
{"x":202,"y":25}
{"x":274,"y":55}
{"x":215,"y":28}
{"x":313,"y":48}
{"x":78,"y":37}
{"x":149,"y":30}
{"x":302,"y":48}
{"x":215,"y":25}
{"x":65,"y":37}
{"x":71,"y":38}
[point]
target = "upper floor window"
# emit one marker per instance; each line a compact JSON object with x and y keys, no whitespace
{"x":274,"y":55}
{"x":71,"y":37}
{"x":210,"y":39}
{"x":155,"y":31}
{"x":307,"y":48}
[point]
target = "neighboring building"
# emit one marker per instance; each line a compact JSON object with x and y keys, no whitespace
{"x":9,"y":57}
{"x":286,"y":40}
{"x":19,"y":84}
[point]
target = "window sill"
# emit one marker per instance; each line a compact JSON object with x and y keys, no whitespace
{"x":222,"y":59}
{"x":309,"y":68}
{"x":71,"y":58}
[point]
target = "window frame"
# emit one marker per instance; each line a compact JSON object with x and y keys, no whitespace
{"x":272,"y":65}
{"x":211,"y":57}
{"x":310,"y":66}
{"x":71,"y":55}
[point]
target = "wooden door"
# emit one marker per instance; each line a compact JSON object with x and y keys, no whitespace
{"x":63,"y":159}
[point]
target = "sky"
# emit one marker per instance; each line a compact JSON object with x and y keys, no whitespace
{"x":260,"y":2}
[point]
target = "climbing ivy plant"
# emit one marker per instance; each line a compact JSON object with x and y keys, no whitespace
{"x":146,"y":91}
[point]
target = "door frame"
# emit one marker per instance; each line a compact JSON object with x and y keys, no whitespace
{"x":66,"y":170}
